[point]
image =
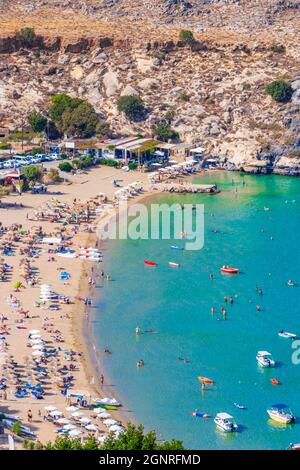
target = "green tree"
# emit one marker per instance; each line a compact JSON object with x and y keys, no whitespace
{"x":61,"y":103}
{"x":280,"y":91}
{"x":133,"y":438}
{"x":26,"y":37}
{"x":132,"y":106}
{"x":16,"y":428}
{"x":65,"y":166}
{"x":186,"y":36}
{"x":33,"y":173}
{"x":37,"y":122}
{"x":79,"y":122}
{"x":164,"y":132}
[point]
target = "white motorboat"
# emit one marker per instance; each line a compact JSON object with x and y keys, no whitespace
{"x":225,"y":422}
{"x":286,"y":334}
{"x":264,"y":359}
{"x":282,"y":414}
{"x":293,"y":447}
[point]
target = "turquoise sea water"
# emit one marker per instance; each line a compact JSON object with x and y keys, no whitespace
{"x":176,"y":304}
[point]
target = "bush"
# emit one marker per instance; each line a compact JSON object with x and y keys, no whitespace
{"x":277,"y":48}
{"x":280,"y":91}
{"x":26,"y":37}
{"x":65,"y":166}
{"x":132,"y":165}
{"x":53,"y":175}
{"x":132,"y":106}
{"x":184,"y":96}
{"x":33,"y":173}
{"x":164,"y":132}
{"x":108,"y":162}
{"x":5,"y":146}
{"x":186,"y":36}
{"x":37,"y":122}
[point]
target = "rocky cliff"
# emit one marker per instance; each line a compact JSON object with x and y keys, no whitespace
{"x":100,"y":50}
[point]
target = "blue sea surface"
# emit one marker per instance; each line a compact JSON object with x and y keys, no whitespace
{"x":175,"y":304}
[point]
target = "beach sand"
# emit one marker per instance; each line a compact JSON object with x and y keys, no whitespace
{"x":70,"y":320}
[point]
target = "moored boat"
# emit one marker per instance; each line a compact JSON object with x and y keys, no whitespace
{"x":240,"y":407}
{"x":264,"y":359}
{"x":294,"y":446}
{"x":286,"y":334}
{"x":225,"y":422}
{"x":274,"y":382}
{"x":229,"y":270}
{"x":281,"y":413}
{"x":149,"y":263}
{"x":205,"y":380}
{"x":174,"y":265}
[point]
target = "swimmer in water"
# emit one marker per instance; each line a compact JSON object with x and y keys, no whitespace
{"x":137,"y":331}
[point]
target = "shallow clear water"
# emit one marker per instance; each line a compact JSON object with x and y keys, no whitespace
{"x":176,"y":304}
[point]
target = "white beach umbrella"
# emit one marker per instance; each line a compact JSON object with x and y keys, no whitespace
{"x":110,"y":422}
{"x":56,"y":413}
{"x":36,"y":341}
{"x":91,"y":427}
{"x":75,"y":433}
{"x":116,"y":428}
{"x":72,"y":408}
{"x":37,"y":353}
{"x":85,"y":420}
{"x":34,"y":332}
{"x":37,"y":346}
{"x":104,"y":415}
{"x":69,"y":427}
{"x":50,"y":408}
{"x":63,"y":421}
{"x":37,"y":336}
{"x":102,"y":439}
{"x":78,"y":414}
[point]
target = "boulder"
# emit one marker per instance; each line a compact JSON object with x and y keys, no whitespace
{"x":129,"y":90}
{"x":111,"y":83}
{"x":148,"y":83}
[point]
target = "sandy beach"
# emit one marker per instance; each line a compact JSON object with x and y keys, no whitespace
{"x":67,"y":323}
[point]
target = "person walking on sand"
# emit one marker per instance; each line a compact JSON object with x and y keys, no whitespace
{"x":29,"y":416}
{"x":102,"y":379}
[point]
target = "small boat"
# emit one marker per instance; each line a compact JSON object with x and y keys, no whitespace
{"x":281,"y":413}
{"x":290,"y":283}
{"x":225,"y":422}
{"x":205,"y":380}
{"x":149,"y":263}
{"x":200,"y":415}
{"x":293,"y":447}
{"x":240,"y":407}
{"x":274,"y":382}
{"x":286,"y":334}
{"x":174,"y":265}
{"x":264,"y":359}
{"x":175,"y":247}
{"x":229,"y":270}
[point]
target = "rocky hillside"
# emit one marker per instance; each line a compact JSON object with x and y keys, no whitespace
{"x":100,"y":50}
